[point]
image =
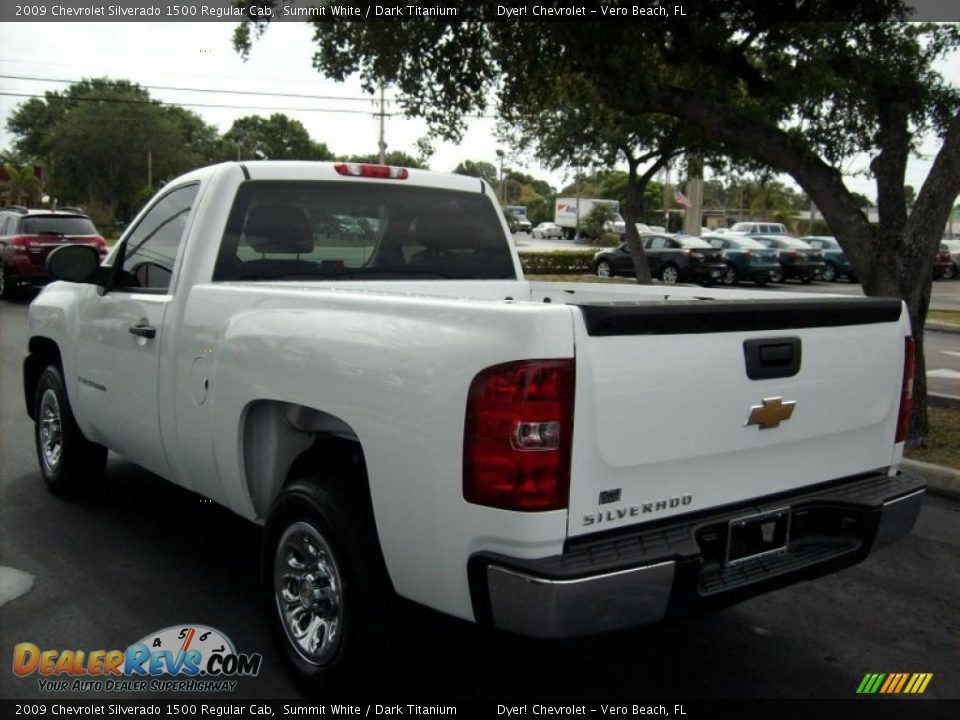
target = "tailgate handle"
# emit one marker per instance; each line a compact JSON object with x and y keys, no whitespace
{"x":768,"y":358}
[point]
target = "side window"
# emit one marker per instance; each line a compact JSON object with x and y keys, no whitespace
{"x":6,"y":226}
{"x":715,"y":242}
{"x":657,"y":243}
{"x":151,"y":249}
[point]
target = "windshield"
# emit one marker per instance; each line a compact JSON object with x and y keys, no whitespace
{"x":281,"y":230}
{"x":57,"y":225}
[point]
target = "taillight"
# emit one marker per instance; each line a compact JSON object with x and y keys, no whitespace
{"x":100,"y":244}
{"x":906,"y":390}
{"x":518,"y":435}
{"x":21,"y":243}
{"x":384,"y":172}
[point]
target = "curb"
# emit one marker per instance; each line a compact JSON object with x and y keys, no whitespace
{"x":938,"y":326}
{"x":943,"y":401}
{"x":940,"y":480}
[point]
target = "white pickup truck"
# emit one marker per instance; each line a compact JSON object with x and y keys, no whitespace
{"x":350,"y":356}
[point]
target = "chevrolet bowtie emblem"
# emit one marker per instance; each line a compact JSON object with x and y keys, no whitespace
{"x":769,"y":415}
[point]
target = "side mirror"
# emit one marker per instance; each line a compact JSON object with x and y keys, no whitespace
{"x":77,"y":263}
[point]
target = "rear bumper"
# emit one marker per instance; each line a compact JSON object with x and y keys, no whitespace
{"x":804,"y":269}
{"x":609,"y":582}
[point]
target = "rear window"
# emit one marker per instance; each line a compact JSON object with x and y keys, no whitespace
{"x":744,"y":242}
{"x":284,"y":230}
{"x":693,"y":242}
{"x":56,"y":225}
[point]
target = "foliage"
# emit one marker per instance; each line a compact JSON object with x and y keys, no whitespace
{"x":278,"y":137}
{"x":479,"y":169}
{"x":102,"y":140}
{"x":21,"y":184}
{"x":396,"y":158}
{"x":593,"y":224}
{"x":536,"y":262}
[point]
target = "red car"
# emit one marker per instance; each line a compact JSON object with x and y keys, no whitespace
{"x":943,"y":264}
{"x":28,"y":236}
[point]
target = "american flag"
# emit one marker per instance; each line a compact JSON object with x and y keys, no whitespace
{"x":681,"y":199}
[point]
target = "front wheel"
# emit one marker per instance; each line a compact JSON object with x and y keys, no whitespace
{"x":949,"y":272}
{"x":670,"y":275}
{"x":70,"y":463}
{"x":777,"y":276}
{"x":829,"y":273}
{"x":326,"y":589}
{"x":604,"y":269}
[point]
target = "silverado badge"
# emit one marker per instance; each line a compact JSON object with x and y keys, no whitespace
{"x":769,"y":415}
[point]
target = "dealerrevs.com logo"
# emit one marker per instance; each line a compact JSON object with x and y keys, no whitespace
{"x":200,"y":658}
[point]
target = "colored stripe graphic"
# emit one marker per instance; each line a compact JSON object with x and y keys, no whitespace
{"x":894,"y":683}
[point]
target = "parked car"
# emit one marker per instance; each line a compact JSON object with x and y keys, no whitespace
{"x":943,"y":266}
{"x":759,"y":228}
{"x":836,"y":264}
{"x":953,"y":248}
{"x":797,"y":259}
{"x":672,"y":259}
{"x":746,"y":259}
{"x":547,"y":230}
{"x":28,"y":236}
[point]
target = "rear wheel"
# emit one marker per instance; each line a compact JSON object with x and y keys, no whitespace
{"x":777,"y":276}
{"x":729,"y":276}
{"x":949,"y":272}
{"x":6,"y":289}
{"x":70,"y":463}
{"x":829,"y":272}
{"x":669,"y":274}
{"x":604,"y":269}
{"x":327,"y":595}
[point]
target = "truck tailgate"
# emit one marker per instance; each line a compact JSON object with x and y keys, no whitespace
{"x":664,"y":402}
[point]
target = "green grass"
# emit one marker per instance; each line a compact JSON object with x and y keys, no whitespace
{"x":950,"y":316}
{"x":943,"y":444}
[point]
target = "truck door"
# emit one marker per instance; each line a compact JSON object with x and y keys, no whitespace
{"x":120,"y":340}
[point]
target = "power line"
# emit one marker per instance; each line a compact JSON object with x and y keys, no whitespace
{"x":348,"y":98}
{"x":131,"y":101}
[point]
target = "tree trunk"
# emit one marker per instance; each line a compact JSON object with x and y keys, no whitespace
{"x":630,"y":213}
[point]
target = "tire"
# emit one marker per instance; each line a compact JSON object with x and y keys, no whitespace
{"x":6,"y":289}
{"x":343,"y":591}
{"x":669,"y":274}
{"x":604,"y":269}
{"x":949,"y":272}
{"x":71,"y":464}
{"x":829,"y":273}
{"x":730,"y":276}
{"x":777,"y":276}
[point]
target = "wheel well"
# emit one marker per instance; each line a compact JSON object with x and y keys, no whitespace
{"x":283,"y":441}
{"x":42,"y":352}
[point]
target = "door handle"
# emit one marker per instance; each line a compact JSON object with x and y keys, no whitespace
{"x":143,"y":330}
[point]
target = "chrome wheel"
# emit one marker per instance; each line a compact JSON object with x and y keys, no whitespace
{"x":776,"y":276}
{"x":603,"y":269}
{"x":51,"y":431}
{"x":309,"y":593}
{"x":829,"y":273}
{"x":729,"y":276}
{"x":669,"y":275}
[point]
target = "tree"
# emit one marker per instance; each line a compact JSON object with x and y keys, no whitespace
{"x":21,"y":184}
{"x":397,"y":158}
{"x":278,"y":137}
{"x":104,"y":141}
{"x":478,"y":168}
{"x":798,"y":95}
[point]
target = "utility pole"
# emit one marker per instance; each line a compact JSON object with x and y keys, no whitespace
{"x":667,"y":196}
{"x":149,"y":168}
{"x":693,"y":216}
{"x":503,"y":183}
{"x":383,"y":143}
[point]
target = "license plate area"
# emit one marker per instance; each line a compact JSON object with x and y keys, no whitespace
{"x":753,"y":536}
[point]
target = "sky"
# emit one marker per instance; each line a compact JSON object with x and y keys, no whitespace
{"x":200,"y":55}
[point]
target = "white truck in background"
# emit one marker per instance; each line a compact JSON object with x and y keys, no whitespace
{"x":570,"y":212}
{"x":350,"y":356}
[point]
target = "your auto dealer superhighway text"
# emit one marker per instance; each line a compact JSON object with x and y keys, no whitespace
{"x":518,"y":710}
{"x":579,"y":11}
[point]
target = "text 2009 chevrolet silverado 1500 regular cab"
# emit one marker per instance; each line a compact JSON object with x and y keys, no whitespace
{"x":350,"y":356}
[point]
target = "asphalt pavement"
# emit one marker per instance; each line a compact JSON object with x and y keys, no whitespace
{"x":143,"y":555}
